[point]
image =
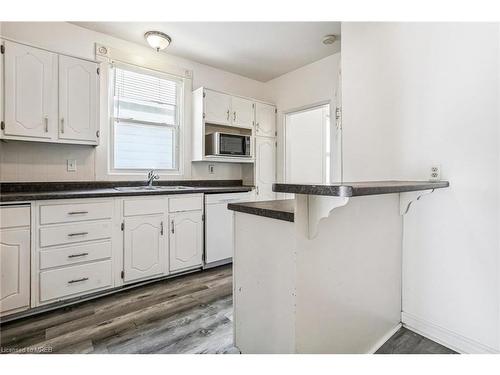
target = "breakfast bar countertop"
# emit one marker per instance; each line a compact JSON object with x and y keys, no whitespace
{"x":356,"y":189}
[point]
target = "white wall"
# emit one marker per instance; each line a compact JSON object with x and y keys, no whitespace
{"x":415,"y":95}
{"x":309,"y":85}
{"x":24,"y":163}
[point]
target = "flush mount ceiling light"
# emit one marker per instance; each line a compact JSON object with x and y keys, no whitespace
{"x":329,"y":39}
{"x":157,"y":40}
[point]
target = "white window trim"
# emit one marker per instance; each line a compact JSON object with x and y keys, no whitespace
{"x":103,"y":170}
{"x":179,"y":157}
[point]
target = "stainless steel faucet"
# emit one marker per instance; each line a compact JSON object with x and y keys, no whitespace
{"x":152,"y":175}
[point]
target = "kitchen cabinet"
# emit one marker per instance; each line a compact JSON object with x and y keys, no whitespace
{"x":217,"y":107}
{"x":265,"y":120}
{"x":265,"y":167}
{"x":15,"y":251}
{"x":30,"y":86}
{"x":144,"y":249}
{"x":78,"y":99}
{"x":242,"y":112}
{"x":49,"y":97}
{"x":219,"y":231}
{"x":186,"y":240}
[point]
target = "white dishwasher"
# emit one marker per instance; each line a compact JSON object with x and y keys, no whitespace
{"x":219,"y":231}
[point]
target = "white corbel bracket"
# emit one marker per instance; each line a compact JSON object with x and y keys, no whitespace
{"x":320,"y":207}
{"x":406,"y":200}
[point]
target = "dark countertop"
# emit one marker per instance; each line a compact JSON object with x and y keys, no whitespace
{"x":356,"y":189}
{"x":277,"y":209}
{"x":17,"y":192}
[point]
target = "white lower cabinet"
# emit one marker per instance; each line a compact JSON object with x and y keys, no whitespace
{"x":144,"y":247}
{"x":14,"y":259}
{"x":186,"y":240}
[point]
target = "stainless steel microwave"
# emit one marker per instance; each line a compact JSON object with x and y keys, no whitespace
{"x":227,"y":144}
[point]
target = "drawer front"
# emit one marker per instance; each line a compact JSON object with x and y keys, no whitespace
{"x":68,"y":281}
{"x":74,"y":254}
{"x":183,"y":203}
{"x":14,"y":216}
{"x":133,"y":207}
{"x":67,"y":213}
{"x":71,"y":233}
{"x":228,"y":198}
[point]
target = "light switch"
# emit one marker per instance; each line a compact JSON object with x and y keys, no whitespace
{"x":71,"y":165}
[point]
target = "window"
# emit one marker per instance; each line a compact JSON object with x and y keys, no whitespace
{"x":146,"y":120}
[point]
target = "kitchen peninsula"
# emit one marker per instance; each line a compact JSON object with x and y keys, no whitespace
{"x":325,"y":278}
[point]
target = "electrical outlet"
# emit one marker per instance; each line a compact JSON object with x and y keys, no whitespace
{"x":435,"y":174}
{"x":71,"y":165}
{"x":211,"y":168}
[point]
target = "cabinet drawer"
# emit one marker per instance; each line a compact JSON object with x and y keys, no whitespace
{"x":189,"y":203}
{"x":14,"y":216}
{"x":67,"y":281}
{"x":66,"y":213}
{"x":66,"y":256}
{"x":70,"y":233}
{"x":133,"y":207}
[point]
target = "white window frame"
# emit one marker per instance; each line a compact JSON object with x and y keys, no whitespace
{"x":180,"y":109}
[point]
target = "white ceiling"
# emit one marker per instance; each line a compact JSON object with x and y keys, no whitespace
{"x":258,"y":50}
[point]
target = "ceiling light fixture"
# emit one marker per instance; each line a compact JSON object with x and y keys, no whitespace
{"x":157,"y":40}
{"x":329,"y":39}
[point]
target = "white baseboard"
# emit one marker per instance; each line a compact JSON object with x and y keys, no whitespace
{"x":384,"y":338}
{"x":444,"y":336}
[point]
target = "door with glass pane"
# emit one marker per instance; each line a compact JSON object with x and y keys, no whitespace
{"x":146,"y":120}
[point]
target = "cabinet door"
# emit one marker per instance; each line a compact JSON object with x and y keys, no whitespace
{"x":217,"y":108}
{"x":30,"y":92}
{"x":14,"y":269}
{"x":265,"y":167}
{"x":144,"y":247}
{"x":78,"y":99}
{"x":242,"y":112}
{"x":265,"y":120}
{"x":186,"y":240}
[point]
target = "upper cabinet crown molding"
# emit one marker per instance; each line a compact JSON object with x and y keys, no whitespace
{"x":49,"y":97}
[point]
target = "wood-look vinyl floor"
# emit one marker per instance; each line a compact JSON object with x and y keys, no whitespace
{"x":188,"y":314}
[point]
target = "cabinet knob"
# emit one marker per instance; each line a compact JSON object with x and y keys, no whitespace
{"x":161,"y":228}
{"x":172,"y":226}
{"x":227,"y":115}
{"x":234,"y":116}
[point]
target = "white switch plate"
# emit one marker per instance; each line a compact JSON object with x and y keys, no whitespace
{"x":435,"y":173}
{"x":211,"y":168}
{"x":71,"y":165}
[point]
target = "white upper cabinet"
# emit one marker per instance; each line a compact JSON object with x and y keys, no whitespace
{"x":242,"y":112}
{"x":49,"y":97}
{"x":78,"y":99}
{"x":265,"y":167}
{"x":217,"y":108}
{"x":30,"y":92}
{"x":144,"y":247}
{"x":186,"y":240}
{"x":265,"y":120}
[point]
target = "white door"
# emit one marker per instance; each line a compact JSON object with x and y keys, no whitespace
{"x":144,"y":247}
{"x":265,"y":167}
{"x":186,"y":240}
{"x":265,"y":120}
{"x":30,"y":92}
{"x":242,"y":112}
{"x":78,"y":99}
{"x":307,"y":146}
{"x":14,"y":269}
{"x":217,"y":108}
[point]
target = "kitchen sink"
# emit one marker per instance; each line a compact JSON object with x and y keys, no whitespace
{"x":152,"y":188}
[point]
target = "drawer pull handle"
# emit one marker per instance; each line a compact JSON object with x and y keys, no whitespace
{"x":78,"y":234}
{"x":77,"y":255}
{"x":77,"y":212}
{"x":78,"y":280}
